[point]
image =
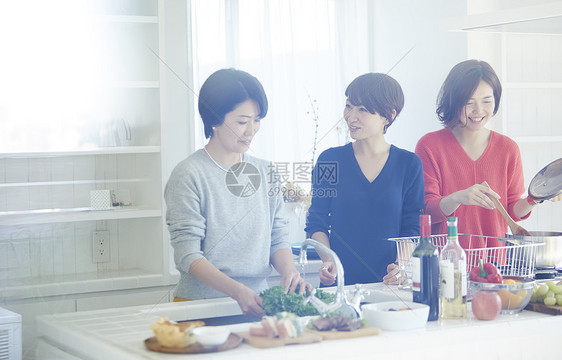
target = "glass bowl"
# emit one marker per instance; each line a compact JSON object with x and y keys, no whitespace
{"x":514,"y":296}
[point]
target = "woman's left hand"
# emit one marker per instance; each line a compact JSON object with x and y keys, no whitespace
{"x":556,"y":198}
{"x":293,"y":281}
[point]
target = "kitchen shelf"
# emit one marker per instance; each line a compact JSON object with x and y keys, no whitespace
{"x":129,"y":19}
{"x":114,"y":140}
{"x":67,"y":284}
{"x":49,"y":216}
{"x":538,"y":19}
{"x":135,"y":84}
{"x":73,"y":182}
{"x":114,"y":150}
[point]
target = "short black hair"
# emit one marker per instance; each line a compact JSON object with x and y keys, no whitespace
{"x":378,"y":93}
{"x":460,"y":84}
{"x":223,"y":91}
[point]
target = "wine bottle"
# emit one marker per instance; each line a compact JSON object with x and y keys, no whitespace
{"x":425,"y":270}
{"x":452,"y":275}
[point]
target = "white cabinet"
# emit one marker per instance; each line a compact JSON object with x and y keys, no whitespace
{"x":46,"y":223}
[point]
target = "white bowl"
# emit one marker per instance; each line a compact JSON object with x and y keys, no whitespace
{"x":211,"y":335}
{"x":389,"y":315}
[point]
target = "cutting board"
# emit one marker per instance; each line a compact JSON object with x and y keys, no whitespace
{"x":336,"y":335}
{"x":264,"y":342}
{"x":552,"y":310}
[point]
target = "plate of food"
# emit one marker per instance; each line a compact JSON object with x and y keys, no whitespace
{"x":190,"y":337}
{"x":281,"y":329}
{"x":337,"y":326}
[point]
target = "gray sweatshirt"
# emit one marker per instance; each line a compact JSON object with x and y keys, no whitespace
{"x":234,"y":219}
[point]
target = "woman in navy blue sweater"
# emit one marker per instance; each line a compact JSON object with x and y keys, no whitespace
{"x":368,"y":190}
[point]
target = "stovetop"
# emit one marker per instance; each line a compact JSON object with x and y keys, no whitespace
{"x":543,"y":273}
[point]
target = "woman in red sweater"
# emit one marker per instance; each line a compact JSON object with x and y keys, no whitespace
{"x":459,"y":158}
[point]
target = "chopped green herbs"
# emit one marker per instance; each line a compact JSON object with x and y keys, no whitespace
{"x":274,"y":300}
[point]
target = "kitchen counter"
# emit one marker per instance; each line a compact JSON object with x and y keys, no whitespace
{"x":119,"y":334}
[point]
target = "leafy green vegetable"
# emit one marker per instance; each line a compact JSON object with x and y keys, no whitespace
{"x":274,"y":300}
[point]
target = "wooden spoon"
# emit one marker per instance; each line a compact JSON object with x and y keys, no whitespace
{"x":515,"y":228}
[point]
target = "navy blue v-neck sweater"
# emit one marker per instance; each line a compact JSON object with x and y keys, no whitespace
{"x":359,"y":216}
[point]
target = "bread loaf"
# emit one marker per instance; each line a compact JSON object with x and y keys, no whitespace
{"x":175,"y":334}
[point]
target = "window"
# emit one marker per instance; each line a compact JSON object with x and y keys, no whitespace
{"x":304,"y":53}
{"x":50,"y":71}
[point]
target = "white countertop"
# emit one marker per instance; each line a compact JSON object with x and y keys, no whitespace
{"x":119,"y":334}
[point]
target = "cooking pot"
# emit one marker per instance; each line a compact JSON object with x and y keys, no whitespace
{"x":548,"y":255}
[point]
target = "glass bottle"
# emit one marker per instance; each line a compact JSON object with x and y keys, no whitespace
{"x":425,"y":270}
{"x":452,"y":275}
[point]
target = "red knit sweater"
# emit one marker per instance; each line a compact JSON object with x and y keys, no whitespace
{"x":447,"y":168}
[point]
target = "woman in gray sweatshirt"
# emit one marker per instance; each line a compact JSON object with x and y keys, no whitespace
{"x":224,"y":211}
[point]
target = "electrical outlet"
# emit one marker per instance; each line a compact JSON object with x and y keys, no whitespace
{"x":100,"y":246}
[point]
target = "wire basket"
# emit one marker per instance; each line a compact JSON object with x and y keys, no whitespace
{"x":511,"y":259}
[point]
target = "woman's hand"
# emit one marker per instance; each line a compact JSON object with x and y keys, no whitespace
{"x":394,"y":275}
{"x":293,"y":281}
{"x":556,"y":198}
{"x":327,"y":273}
{"x":249,"y":302}
{"x":477,"y":194}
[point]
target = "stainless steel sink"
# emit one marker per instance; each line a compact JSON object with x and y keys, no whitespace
{"x":225,"y":311}
{"x":380,"y":292}
{"x":229,"y":320}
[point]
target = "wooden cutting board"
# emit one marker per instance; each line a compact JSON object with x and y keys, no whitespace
{"x":542,"y":308}
{"x":264,"y":342}
{"x":336,"y":335}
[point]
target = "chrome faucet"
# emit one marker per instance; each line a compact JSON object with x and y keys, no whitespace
{"x":341,"y":304}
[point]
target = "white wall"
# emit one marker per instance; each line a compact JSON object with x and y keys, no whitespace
{"x":399,"y":26}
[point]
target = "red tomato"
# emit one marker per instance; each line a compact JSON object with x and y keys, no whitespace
{"x":486,"y":305}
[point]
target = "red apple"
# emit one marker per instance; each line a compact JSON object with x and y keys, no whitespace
{"x":486,"y":305}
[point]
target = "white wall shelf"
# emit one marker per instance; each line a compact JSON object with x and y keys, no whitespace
{"x":46,"y":224}
{"x":56,"y":285}
{"x":129,"y":19}
{"x":538,"y":19}
{"x":73,"y":182}
{"x":48,"y":216}
{"x":117,"y":150}
{"x":135,"y":84}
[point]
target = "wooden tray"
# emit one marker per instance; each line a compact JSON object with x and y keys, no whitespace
{"x":542,"y":308}
{"x":336,"y":335}
{"x":264,"y":342}
{"x":233,"y":341}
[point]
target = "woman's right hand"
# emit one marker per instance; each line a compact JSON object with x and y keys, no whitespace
{"x":477,"y":194}
{"x":250,"y":303}
{"x":327,"y":273}
{"x":394,"y":275}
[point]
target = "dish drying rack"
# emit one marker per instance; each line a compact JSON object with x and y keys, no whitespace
{"x":511,"y":259}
